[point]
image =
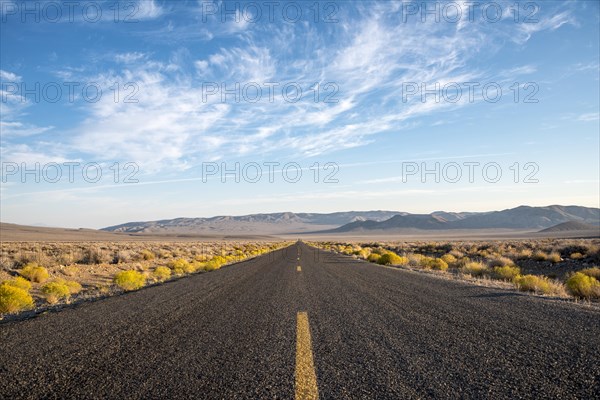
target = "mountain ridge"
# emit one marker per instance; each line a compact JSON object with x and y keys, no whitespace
{"x":521,"y":217}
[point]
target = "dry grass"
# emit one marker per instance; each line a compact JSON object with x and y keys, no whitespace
{"x":130,"y":280}
{"x":55,"y":291}
{"x":539,"y":256}
{"x":34,"y":272}
{"x":540,"y":261}
{"x":91,"y":267}
{"x":576,"y":256}
{"x":500,"y":262}
{"x":181,"y":266}
{"x":373,"y":257}
{"x":594,"y":272}
{"x":475,"y":269}
{"x":390,"y":258}
{"x":584,"y":286}
{"x":436,"y":264}
{"x":161,"y":274}
{"x":540,"y":285}
{"x":14,"y":299}
{"x":506,"y":273}
{"x":554,"y":257}
{"x":19,"y":282}
{"x":70,"y":270}
{"x":450,"y":259}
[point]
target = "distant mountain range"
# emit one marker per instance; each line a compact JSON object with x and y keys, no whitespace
{"x":519,"y":218}
{"x":285,"y":222}
{"x":523,"y":217}
{"x":572,"y":226}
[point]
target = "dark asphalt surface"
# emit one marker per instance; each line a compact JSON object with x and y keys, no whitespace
{"x":377,"y":333}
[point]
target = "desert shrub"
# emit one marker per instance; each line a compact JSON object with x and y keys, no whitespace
{"x":507,"y":272}
{"x":164,"y":253}
{"x":102,"y":288}
{"x":146,"y":255}
{"x":373,"y":257}
{"x":363,"y":253}
{"x":524,"y":254}
{"x":576,"y":256}
{"x":122,"y":257}
{"x":161,"y":273}
{"x":538,"y":284}
{"x":215,"y":263}
{"x":74,"y":287}
{"x":194,"y":266}
{"x":456,"y":254}
{"x":6,"y":262}
{"x":197,"y":265}
{"x":474,"y":268}
{"x":424,"y":261}
{"x":570,"y":248}
{"x":582,"y":285}
{"x":13,"y":299}
{"x":25,"y":257}
{"x":438,"y":264}
{"x":65,"y":258}
{"x":94,"y":256}
{"x":554,"y":257}
{"x":449,"y":259}
{"x":392,"y":259}
{"x":34,"y":272}
{"x":539,"y":256}
{"x":54,"y":291}
{"x":19,"y":282}
{"x":378,"y":250}
{"x":484,"y":253}
{"x":130,"y":280}
{"x":70,"y":270}
{"x":347,"y":250}
{"x":180,"y":266}
{"x":140,"y":267}
{"x":593,"y":252}
{"x":461,"y":262}
{"x":594,"y":272}
{"x":500,"y":262}
{"x":414,"y":259}
{"x":205,"y":257}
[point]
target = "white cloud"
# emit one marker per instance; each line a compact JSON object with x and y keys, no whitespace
{"x":551,"y":23}
{"x":9,"y":76}
{"x":592,"y":66}
{"x":130,"y":58}
{"x":201,"y":66}
{"x":165,"y":128}
{"x":588,"y":117}
{"x":12,"y":110}
{"x":148,"y":9}
{"x":172,"y":126}
{"x":23,"y":153}
{"x":15,"y":129}
{"x":522,"y":70}
{"x":249,"y":64}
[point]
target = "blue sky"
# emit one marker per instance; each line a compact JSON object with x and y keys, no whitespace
{"x":371,"y":125}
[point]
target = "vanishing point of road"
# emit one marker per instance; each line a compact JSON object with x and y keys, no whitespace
{"x":304,"y":323}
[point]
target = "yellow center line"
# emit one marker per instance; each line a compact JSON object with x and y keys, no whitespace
{"x":299,"y":269}
{"x":306,"y":378}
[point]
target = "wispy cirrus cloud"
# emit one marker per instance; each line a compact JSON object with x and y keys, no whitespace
{"x":588,"y":117}
{"x":174,"y":124}
{"x":13,"y":106}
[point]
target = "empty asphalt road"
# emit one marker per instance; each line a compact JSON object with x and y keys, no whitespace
{"x":335,"y":328}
